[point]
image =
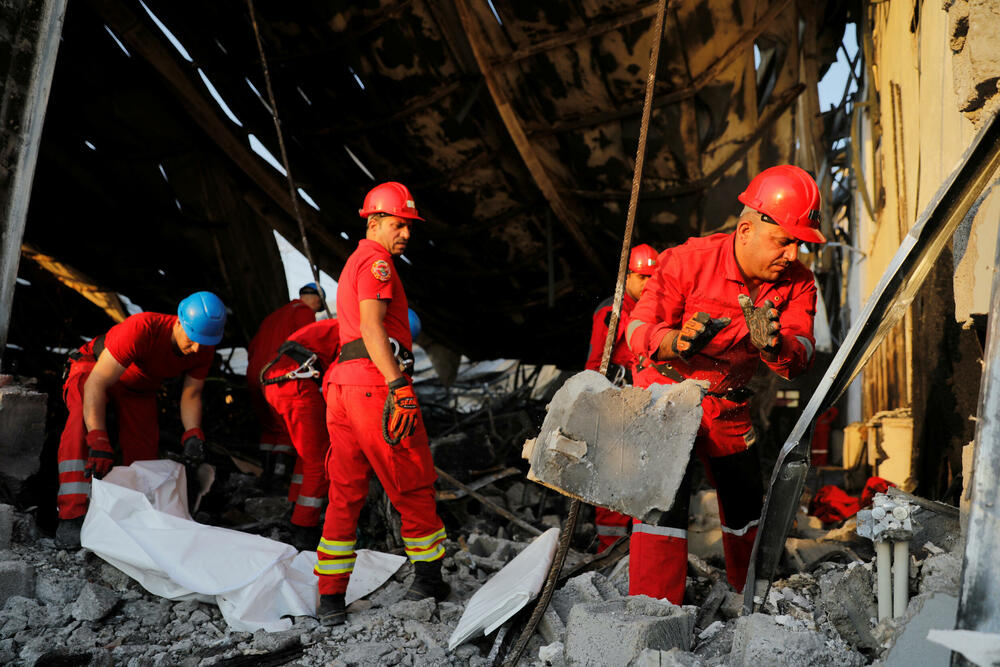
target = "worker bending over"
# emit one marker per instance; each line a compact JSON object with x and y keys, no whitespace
{"x":126,"y":367}
{"x":714,"y":309}
{"x":276,"y":446}
{"x":621,"y":366}
{"x":372,"y":413}
{"x":291,"y":383}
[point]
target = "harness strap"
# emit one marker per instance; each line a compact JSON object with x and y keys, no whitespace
{"x":307,"y":360}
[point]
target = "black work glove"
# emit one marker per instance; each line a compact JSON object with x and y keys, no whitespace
{"x":193,"y":442}
{"x":763,"y":323}
{"x":696,"y":333}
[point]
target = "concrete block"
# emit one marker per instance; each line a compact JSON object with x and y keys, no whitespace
{"x":56,"y":588}
{"x":94,"y":603}
{"x":22,"y":423}
{"x":672,"y":658}
{"x":417,"y":610}
{"x":941,"y":573}
{"x":16,"y":578}
{"x":551,"y":627}
{"x":6,"y":526}
{"x":936,"y":611}
{"x":589,"y":587}
{"x":759,"y":639}
{"x":624,"y":449}
{"x":616,"y":632}
{"x":551,"y":655}
{"x":849,"y":603}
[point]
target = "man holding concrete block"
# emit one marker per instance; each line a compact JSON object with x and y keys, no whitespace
{"x":714,"y":309}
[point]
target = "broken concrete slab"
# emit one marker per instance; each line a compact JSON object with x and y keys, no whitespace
{"x":17,"y":578}
{"x":6,"y":526}
{"x":552,"y":654}
{"x":417,"y":610}
{"x":587,"y":588}
{"x":849,"y":604}
{"x":941,"y":573}
{"x":759,"y":639}
{"x":22,"y":423}
{"x":94,"y":603}
{"x":675,"y":657}
{"x":926,"y":612}
{"x":624,"y":449}
{"x":616,"y":632}
{"x":979,"y":648}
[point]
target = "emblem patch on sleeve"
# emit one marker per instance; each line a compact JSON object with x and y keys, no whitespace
{"x":381,"y":270}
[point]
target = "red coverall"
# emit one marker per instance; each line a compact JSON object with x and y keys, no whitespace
{"x":143,"y":345}
{"x":273,"y":331}
{"x":702,"y":275}
{"x":300,"y":405}
{"x":356,"y":393}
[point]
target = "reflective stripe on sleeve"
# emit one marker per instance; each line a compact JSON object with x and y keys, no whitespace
{"x":73,"y":465}
{"x":74,"y":488}
{"x":806,"y":343}
{"x":629,"y":330}
{"x":740,"y":532}
{"x":662,"y":531}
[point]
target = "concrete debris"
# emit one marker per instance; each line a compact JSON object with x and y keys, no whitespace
{"x":17,"y":578}
{"x":552,"y":654}
{"x":760,"y":640}
{"x":924,"y":613}
{"x":6,"y":526}
{"x":672,"y":658}
{"x":623,"y":449}
{"x":22,"y":423}
{"x":848,"y":600}
{"x":420,"y":610}
{"x":94,"y":603}
{"x":616,"y":632}
{"x":941,"y":573}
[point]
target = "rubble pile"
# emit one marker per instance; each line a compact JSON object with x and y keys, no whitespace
{"x":73,"y":608}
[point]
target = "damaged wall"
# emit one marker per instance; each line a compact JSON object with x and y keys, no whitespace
{"x":931,"y":79}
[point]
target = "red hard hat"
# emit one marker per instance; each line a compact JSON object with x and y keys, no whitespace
{"x":392,"y":198}
{"x":790,"y":197}
{"x":642,"y":260}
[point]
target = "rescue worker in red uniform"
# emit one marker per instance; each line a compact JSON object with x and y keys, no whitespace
{"x":714,"y":309}
{"x":621,"y":367}
{"x":291,"y":383}
{"x":372,"y":413}
{"x":276,"y":446}
{"x":125,"y":367}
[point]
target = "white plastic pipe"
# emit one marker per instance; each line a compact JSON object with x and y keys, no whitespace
{"x":883,"y":566}
{"x":900,"y":579}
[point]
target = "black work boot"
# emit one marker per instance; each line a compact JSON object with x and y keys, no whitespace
{"x":331,"y":609}
{"x":305,"y":538}
{"x":428,"y":582}
{"x":68,"y":533}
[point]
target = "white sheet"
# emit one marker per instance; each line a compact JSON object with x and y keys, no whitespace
{"x":138,"y":521}
{"x":508,"y":591}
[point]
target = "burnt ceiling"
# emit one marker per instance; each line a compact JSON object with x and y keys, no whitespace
{"x":514,"y":123}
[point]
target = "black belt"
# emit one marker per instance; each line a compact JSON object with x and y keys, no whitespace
{"x":308,"y":361}
{"x":736,"y":394}
{"x":356,"y":349}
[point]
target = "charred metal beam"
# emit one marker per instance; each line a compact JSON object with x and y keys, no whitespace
{"x":887,"y":304}
{"x":647,"y":11}
{"x":35,"y":28}
{"x":416,"y":105}
{"x":775,"y":112}
{"x":531,"y":160}
{"x":205,"y":114}
{"x":634,"y":108}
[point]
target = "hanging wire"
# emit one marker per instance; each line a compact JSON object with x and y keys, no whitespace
{"x":292,"y":192}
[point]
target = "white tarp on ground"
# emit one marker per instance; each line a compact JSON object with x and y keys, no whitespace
{"x":508,"y":591}
{"x":138,"y":521}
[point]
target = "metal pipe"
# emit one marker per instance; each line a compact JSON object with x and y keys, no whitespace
{"x":900,"y":578}
{"x":883,"y":567}
{"x":25,"y":87}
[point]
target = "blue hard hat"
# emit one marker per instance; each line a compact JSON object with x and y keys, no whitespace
{"x":312,"y":288}
{"x":203,"y":317}
{"x":414,"y":324}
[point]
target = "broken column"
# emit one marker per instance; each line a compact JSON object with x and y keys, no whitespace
{"x":889,"y":524}
{"x":624,"y":449}
{"x":22,"y":425}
